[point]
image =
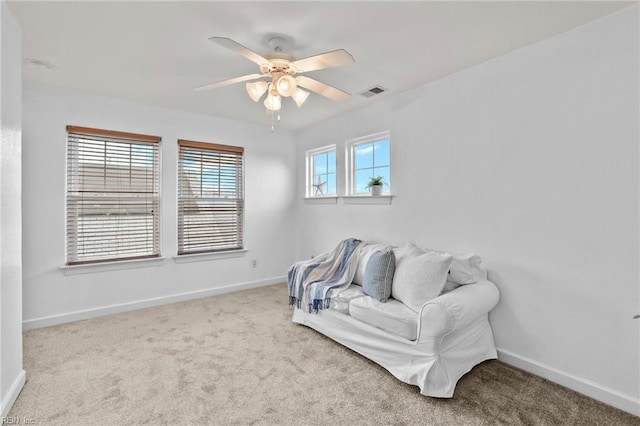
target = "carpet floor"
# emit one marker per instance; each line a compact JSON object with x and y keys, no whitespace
{"x":238,"y":359}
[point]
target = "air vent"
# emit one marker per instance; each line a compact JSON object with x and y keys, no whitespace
{"x":373,"y":91}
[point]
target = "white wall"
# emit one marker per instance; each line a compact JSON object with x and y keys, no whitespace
{"x":51,"y":297}
{"x":531,"y":161}
{"x":12,"y":376}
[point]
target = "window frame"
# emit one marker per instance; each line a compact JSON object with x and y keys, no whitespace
{"x":351,"y":169}
{"x":310,"y":166}
{"x":81,"y":138}
{"x":183,"y":250}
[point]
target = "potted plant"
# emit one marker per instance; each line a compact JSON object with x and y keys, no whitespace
{"x":375,"y":185}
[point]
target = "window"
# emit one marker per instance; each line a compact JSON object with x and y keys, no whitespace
{"x":321,"y":172}
{"x":369,"y":157}
{"x":112,"y":196}
{"x":210,"y":197}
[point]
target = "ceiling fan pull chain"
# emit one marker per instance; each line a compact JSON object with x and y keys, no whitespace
{"x":272,"y":127}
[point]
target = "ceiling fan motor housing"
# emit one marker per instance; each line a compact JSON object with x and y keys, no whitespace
{"x":278,"y":64}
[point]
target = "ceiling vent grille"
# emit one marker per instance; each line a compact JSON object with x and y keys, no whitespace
{"x":375,"y":90}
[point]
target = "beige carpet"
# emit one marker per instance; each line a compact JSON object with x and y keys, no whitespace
{"x":238,"y":359}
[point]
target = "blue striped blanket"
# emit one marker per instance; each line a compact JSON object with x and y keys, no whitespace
{"x":311,"y":282}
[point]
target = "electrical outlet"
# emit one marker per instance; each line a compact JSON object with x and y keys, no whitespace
{"x":254,"y":263}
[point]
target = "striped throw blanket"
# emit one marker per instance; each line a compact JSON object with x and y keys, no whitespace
{"x":312,"y":281}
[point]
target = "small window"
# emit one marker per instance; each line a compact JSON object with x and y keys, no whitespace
{"x":369,"y":157}
{"x":321,"y":172}
{"x":210,"y":197}
{"x":112,"y":196}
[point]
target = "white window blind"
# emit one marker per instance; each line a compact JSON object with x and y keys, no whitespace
{"x":112,"y":196}
{"x":210,"y":197}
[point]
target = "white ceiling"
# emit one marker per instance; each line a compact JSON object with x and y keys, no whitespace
{"x":155,"y":53}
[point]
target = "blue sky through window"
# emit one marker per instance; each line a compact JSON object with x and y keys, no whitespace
{"x":370,"y":160}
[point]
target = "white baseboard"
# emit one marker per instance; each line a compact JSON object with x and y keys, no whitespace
{"x":12,"y":395}
{"x":146,"y":303}
{"x":578,"y":384}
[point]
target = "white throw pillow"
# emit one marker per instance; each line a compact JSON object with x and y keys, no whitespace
{"x":420,"y":278}
{"x":408,"y":250}
{"x":465,"y":268}
{"x":449,"y":286}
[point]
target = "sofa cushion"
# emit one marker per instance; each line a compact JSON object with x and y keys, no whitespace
{"x":420,"y":278}
{"x":363,"y":258}
{"x":378,"y":274}
{"x":393,"y":316}
{"x":340,"y":302}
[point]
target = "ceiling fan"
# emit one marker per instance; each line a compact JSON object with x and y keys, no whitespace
{"x":282,"y":73}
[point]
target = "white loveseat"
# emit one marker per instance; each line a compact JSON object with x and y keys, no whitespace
{"x":432,"y":348}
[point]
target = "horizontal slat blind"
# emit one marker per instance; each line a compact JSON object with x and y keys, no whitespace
{"x":210,"y":197}
{"x":112,"y":196}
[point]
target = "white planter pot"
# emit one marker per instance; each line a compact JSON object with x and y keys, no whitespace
{"x":376,"y":190}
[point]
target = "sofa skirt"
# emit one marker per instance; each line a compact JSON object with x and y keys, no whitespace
{"x":434,"y":364}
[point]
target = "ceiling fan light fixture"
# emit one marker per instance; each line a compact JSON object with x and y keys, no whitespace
{"x":256,"y":89}
{"x":286,"y":85}
{"x":300,"y":96}
{"x":273,"y":102}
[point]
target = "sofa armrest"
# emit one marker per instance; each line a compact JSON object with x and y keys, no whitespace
{"x":457,"y":309}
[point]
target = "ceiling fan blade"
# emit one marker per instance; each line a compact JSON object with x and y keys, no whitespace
{"x":238,"y":48}
{"x":228,"y":82}
{"x":336,"y":58}
{"x":322,"y":89}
